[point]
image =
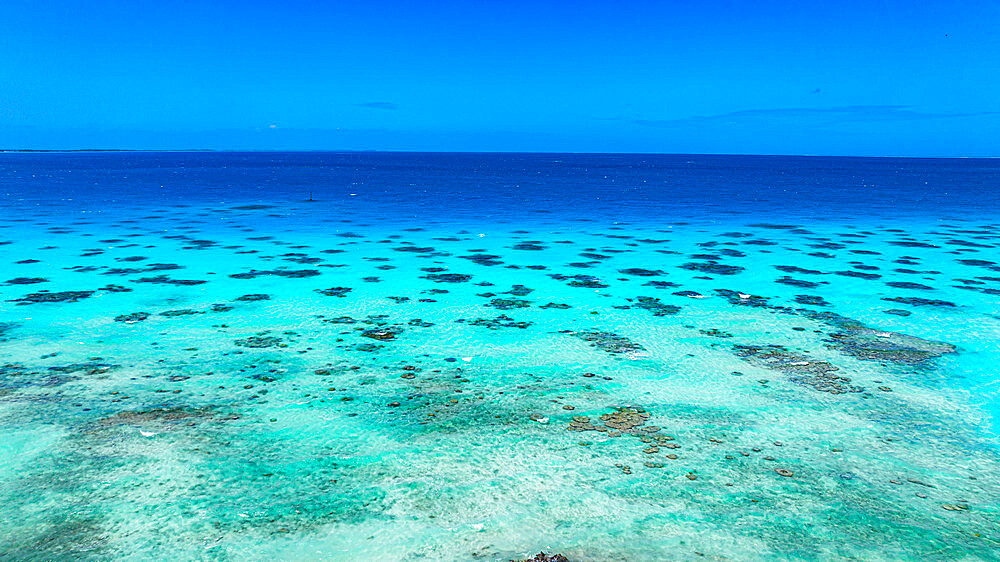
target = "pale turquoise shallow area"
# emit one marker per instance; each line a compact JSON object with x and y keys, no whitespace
{"x":605,"y":390}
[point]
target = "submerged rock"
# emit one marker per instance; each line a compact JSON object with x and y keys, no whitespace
{"x":45,"y":296}
{"x":335,"y":291}
{"x":386,"y":333}
{"x":132,"y":318}
{"x":508,"y":304}
{"x":519,"y":291}
{"x":257,"y":342}
{"x":625,"y":419}
{"x":502,"y":321}
{"x":858,"y":274}
{"x":640,"y":272}
{"x":909,"y":285}
{"x":786,"y":280}
{"x":26,"y":280}
{"x":115,"y":289}
{"x":90,"y":368}
{"x":163,"y":416}
{"x":818,"y":375}
{"x":656,"y":307}
{"x":743,"y":299}
{"x":797,"y":269}
{"x":811,"y":300}
{"x":857,"y":340}
{"x":180,"y":312}
{"x":448,"y":277}
{"x":584,"y":281}
{"x":253,"y":297}
{"x":918,"y":301}
{"x":712,"y":267}
{"x":483,"y":259}
{"x":289,"y":273}
{"x":542,"y":557}
{"x":164,"y":280}
{"x":660,"y":284}
{"x":609,"y":342}
{"x":340,"y":320}
{"x":897,"y":312}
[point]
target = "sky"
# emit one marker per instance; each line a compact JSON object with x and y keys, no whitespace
{"x":872,"y":78}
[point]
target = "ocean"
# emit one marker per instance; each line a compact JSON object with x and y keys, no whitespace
{"x":437,"y":356}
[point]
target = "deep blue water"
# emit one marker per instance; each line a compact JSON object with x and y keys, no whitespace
{"x":519,"y":186}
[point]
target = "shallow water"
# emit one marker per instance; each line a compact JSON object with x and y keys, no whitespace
{"x":464,"y":357}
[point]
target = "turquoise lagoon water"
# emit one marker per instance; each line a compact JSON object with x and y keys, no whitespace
{"x":480,"y":357}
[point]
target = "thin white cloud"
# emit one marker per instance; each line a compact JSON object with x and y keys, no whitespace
{"x":817,"y":116}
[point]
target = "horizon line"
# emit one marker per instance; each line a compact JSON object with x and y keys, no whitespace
{"x":362,"y":151}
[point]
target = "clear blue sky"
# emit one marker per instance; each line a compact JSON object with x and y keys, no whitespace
{"x":867,"y":78}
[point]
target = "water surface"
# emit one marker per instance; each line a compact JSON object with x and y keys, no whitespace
{"x":483,"y":356}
